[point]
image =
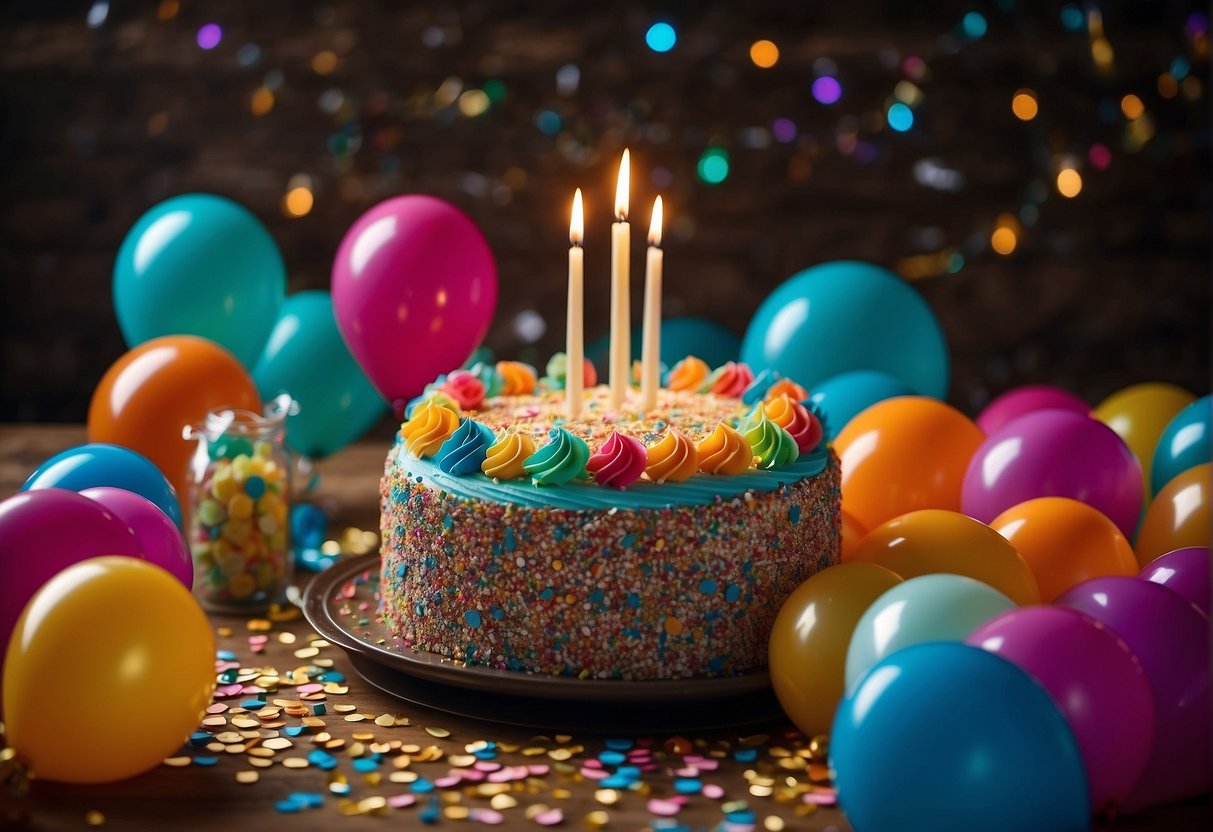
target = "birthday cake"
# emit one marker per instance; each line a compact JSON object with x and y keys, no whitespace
{"x":614,"y":544}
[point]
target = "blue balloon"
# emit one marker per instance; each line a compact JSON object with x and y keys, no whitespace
{"x":1186,"y":442}
{"x":98,"y":464}
{"x":680,"y":337}
{"x":306,"y":357}
{"x":199,"y":264}
{"x":846,"y":315}
{"x":842,"y":397}
{"x":949,"y":737}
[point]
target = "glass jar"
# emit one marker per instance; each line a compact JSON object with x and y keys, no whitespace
{"x":239,"y":513}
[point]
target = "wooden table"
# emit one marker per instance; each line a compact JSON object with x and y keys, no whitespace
{"x":210,"y":797}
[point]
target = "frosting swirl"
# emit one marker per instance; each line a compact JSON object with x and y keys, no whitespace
{"x":559,"y":461}
{"x":518,"y":379}
{"x":762,"y":382}
{"x":506,"y":455}
{"x":773,"y":446}
{"x":430,"y":426}
{"x":557,"y":369}
{"x":466,"y":449}
{"x":465,"y":389}
{"x":729,"y":380}
{"x":789,"y":388}
{"x":724,"y":452}
{"x":687,"y":374}
{"x":797,"y":420}
{"x":489,"y":377}
{"x":672,"y":459}
{"x":619,"y":462}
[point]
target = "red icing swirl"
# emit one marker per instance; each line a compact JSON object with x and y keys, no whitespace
{"x":732,"y":379}
{"x":797,"y":420}
{"x":619,"y":462}
{"x":465,"y":389}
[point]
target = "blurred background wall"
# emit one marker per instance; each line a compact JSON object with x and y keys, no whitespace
{"x":1040,"y":171}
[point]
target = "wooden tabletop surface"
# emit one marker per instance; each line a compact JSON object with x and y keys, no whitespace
{"x":767,"y":768}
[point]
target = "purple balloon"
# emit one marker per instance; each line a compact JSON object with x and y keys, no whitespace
{"x":414,"y":291}
{"x":158,"y":535}
{"x":1054,"y":453}
{"x":1096,"y":682}
{"x":1029,"y":399}
{"x":1170,"y":636}
{"x":42,"y":533}
{"x":1185,"y":571}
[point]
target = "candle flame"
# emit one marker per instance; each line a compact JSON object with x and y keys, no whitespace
{"x":655,"y":225}
{"x":621,"y":188}
{"x":577,"y":223}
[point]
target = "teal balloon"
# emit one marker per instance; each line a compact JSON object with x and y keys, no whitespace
{"x":951,"y":738}
{"x":306,"y":357}
{"x":842,"y":397}
{"x":199,"y":264}
{"x":1186,"y":442}
{"x":939,"y":607}
{"x":680,"y":337}
{"x":843,"y":316}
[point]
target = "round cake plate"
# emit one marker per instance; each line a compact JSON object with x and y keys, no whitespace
{"x":342,"y":604}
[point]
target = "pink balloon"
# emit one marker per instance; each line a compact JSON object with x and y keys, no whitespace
{"x":1096,"y":682}
{"x":42,"y":533}
{"x":1054,"y":453}
{"x":1185,"y":571}
{"x":160,"y":539}
{"x":414,"y":291}
{"x":1170,"y":636}
{"x":1028,"y":399}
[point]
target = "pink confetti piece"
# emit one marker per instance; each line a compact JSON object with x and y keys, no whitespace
{"x":310,"y":687}
{"x":594,"y":774}
{"x":592,"y":764}
{"x":690,"y":771}
{"x":489,"y":816}
{"x":447,"y":781}
{"x":707,"y":764}
{"x":537,"y":770}
{"x":549,"y":818}
{"x":712,"y":791}
{"x":228,"y":690}
{"x":401,"y":801}
{"x":216,"y":708}
{"x":664,"y":808}
{"x":825,"y":797}
{"x":487,"y":766}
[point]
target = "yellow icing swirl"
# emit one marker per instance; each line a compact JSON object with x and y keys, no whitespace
{"x":725,"y":452}
{"x":431,"y":425}
{"x":517,"y":378}
{"x":688,"y":374}
{"x":506,"y":456}
{"x":672,"y":459}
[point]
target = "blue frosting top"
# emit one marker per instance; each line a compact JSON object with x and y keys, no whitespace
{"x":464,"y":451}
{"x":758,"y":388}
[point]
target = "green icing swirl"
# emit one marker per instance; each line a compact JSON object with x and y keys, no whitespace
{"x":561,"y":460}
{"x":773,"y":445}
{"x":556,"y":371}
{"x":489,"y":377}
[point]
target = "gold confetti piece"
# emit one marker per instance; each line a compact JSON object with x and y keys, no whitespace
{"x":322,"y":737}
{"x":563,"y":738}
{"x":323,"y":663}
{"x":431,"y":754}
{"x":227,"y":737}
{"x":402,"y":776}
{"x":560,"y":754}
{"x":534,"y":810}
{"x":503,"y":801}
{"x":462,"y":760}
{"x":597,"y":819}
{"x":357,"y":749}
{"x":286,"y":638}
{"x":247,"y":776}
{"x":380,"y":747}
{"x":214,"y":721}
{"x":372,"y":804}
{"x":313,"y":722}
{"x":385,"y":720}
{"x":403,"y":761}
{"x":333,"y":687}
{"x":225,"y":632}
{"x":334,"y":745}
{"x":355,"y":717}
{"x":819,"y":747}
{"x":295,"y":762}
{"x":259,"y":625}
{"x":372,"y":778}
{"x":259,"y":762}
{"x":261,"y":752}
{"x":245,"y":722}
{"x":214,"y":747}
{"x":178,"y":762}
{"x":607,"y":797}
{"x":362,"y":736}
{"x":277,"y":743}
{"x":94,"y":818}
{"x":306,"y":652}
{"x":440,"y":733}
{"x":456,"y":812}
{"x":235,"y":748}
{"x":492,"y":789}
{"x":533,"y":751}
{"x":561,"y":794}
{"x":772,"y":823}
{"x":734,"y":806}
{"x":345,"y":709}
{"x":402,"y":720}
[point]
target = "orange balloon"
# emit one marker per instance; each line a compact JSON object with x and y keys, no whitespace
{"x":810,"y":637}
{"x":1065,"y":542}
{"x":852,"y":533}
{"x":933,"y":540}
{"x":904,"y":454}
{"x":151,"y":393}
{"x":1178,"y":517}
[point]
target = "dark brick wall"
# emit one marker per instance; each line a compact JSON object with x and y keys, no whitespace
{"x":1106,"y":289}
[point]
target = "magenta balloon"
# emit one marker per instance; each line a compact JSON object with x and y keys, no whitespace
{"x":1028,"y":399}
{"x":1170,"y":636}
{"x":414,"y":291}
{"x":159,"y":538}
{"x":42,"y":533}
{"x":1185,"y":571}
{"x":1096,"y":682}
{"x":1054,"y":453}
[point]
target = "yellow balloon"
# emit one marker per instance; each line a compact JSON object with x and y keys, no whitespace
{"x":109,"y":669}
{"x":810,"y":638}
{"x":1178,"y":517}
{"x":934,"y":540}
{"x":1139,"y":414}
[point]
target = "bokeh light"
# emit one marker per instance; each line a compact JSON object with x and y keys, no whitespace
{"x":1168,"y":87}
{"x":1132,"y":107}
{"x":974,"y":25}
{"x":1024,"y":105}
{"x":1099,"y":156}
{"x":262,"y":101}
{"x":167,"y":9}
{"x":900,"y":117}
{"x":297,"y":202}
{"x":473,"y":102}
{"x":209,"y":36}
{"x":548,"y":122}
{"x":1005,"y":238}
{"x":784,"y":130}
{"x":1069,"y":183}
{"x":661,"y":37}
{"x":713,"y":165}
{"x":827,"y":90}
{"x":1072,"y":18}
{"x":764,"y":54}
{"x":324,"y":62}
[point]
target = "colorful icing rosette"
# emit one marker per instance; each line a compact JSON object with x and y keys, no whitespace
{"x":687,"y":375}
{"x":518,"y":379}
{"x":672,"y":458}
{"x":560,"y":461}
{"x":725,"y":451}
{"x":801,"y":423}
{"x":504,"y":459}
{"x":431,"y":425}
{"x":619,"y":462}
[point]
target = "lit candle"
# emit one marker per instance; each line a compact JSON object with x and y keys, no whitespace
{"x":574,"y":348}
{"x":621,"y":240}
{"x":650,"y":356}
